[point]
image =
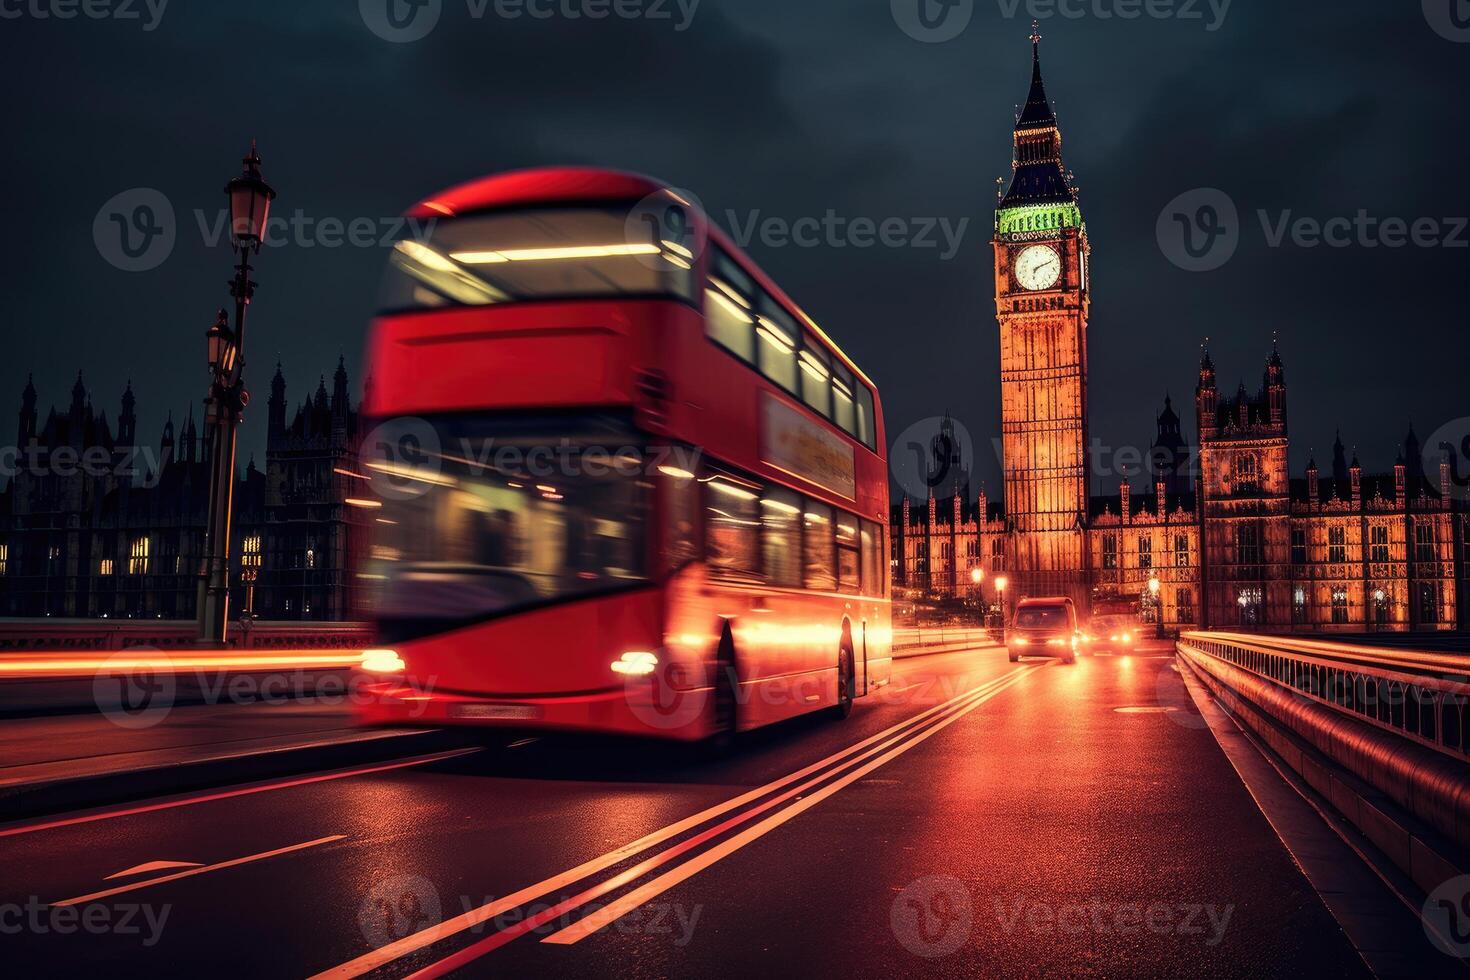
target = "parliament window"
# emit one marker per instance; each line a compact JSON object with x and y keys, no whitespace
{"x":138,"y":557}
{"x":1248,"y":544}
{"x":1145,"y":552}
{"x":1298,"y":546}
{"x":1336,"y":545}
{"x":1424,"y":549}
{"x":1380,"y":543}
{"x":1110,"y":551}
{"x":1181,"y":551}
{"x":1339,"y":606}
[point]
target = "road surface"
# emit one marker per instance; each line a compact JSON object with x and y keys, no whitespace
{"x":980,"y":818}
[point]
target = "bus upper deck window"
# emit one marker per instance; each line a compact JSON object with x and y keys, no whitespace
{"x":844,"y":411}
{"x":778,"y":342}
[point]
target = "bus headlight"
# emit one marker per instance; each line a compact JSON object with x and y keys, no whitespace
{"x":635,"y":663}
{"x":382,"y":662}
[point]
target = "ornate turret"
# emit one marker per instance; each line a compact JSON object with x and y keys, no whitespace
{"x":127,"y":421}
{"x":276,"y":409}
{"x":26,"y":428}
{"x":1275,"y":384}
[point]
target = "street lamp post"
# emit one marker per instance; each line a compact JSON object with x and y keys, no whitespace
{"x":1000,"y":590}
{"x":250,"y":201}
{"x":1154,"y":586}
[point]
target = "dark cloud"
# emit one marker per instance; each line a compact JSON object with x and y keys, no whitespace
{"x":788,"y":110}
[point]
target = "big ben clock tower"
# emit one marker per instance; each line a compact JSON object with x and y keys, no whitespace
{"x":1041,"y":301}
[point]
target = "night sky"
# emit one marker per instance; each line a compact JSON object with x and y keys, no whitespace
{"x":788,"y":109}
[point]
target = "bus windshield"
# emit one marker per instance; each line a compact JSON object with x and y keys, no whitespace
{"x":482,"y":518}
{"x":550,"y":253}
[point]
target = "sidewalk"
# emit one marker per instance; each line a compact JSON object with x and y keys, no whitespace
{"x":65,"y":762}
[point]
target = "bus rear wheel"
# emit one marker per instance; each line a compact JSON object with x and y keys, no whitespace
{"x":846,"y":683}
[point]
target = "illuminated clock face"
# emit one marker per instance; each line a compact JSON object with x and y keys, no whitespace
{"x":1038,"y":267}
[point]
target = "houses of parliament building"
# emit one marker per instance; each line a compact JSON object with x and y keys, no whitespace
{"x":1223,"y":538}
{"x":96,"y":522}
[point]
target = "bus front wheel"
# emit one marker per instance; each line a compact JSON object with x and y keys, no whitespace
{"x":846,"y":683}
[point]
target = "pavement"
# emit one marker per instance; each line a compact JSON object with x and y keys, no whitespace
{"x":978,"y":819}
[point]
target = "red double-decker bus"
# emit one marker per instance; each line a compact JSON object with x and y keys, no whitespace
{"x":620,"y":482}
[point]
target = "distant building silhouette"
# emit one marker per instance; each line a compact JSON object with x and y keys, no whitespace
{"x":94,"y":522}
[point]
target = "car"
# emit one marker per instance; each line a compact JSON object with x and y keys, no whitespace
{"x":1116,"y":634}
{"x":1044,"y":628}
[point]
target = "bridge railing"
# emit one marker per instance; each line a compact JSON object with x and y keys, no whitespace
{"x":1382,"y":734}
{"x":1420,"y":695}
{"x":912,"y":640}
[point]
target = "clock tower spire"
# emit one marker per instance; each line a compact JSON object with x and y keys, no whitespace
{"x":1042,"y":300}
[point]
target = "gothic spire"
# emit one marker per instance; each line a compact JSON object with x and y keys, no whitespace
{"x":1039,"y":177}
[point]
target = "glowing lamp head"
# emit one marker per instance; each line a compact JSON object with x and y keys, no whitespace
{"x":250,"y":203}
{"x":1002,"y":582}
{"x":1154,"y":585}
{"x":382,"y":662}
{"x":635,"y":663}
{"x":977,"y":575}
{"x":221,"y":343}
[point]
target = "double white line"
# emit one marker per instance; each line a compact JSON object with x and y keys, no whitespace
{"x":852,"y":763}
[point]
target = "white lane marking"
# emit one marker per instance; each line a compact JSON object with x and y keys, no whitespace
{"x":154,"y":866}
{"x":638,"y":896}
{"x":468,"y":920}
{"x":233,"y":862}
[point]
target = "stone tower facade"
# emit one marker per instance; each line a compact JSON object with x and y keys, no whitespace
{"x":1042,"y":300}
